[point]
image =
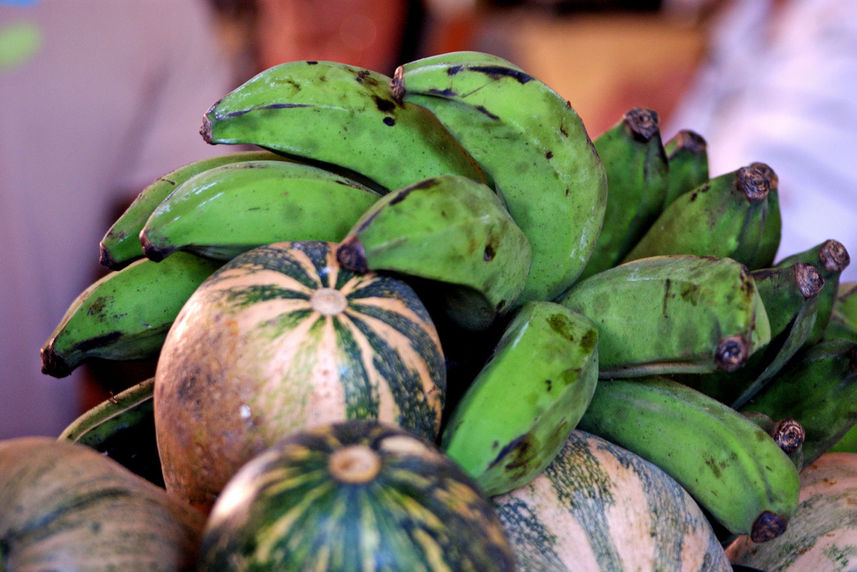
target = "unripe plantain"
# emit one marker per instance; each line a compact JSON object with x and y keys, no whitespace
{"x":637,"y":176}
{"x":724,"y":217}
{"x":518,"y":411}
{"x":730,"y":465}
{"x":672,"y":314}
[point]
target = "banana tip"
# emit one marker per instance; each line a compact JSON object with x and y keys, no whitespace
{"x":52,"y":364}
{"x":768,"y":526}
{"x":732,"y":353}
{"x":352,"y":256}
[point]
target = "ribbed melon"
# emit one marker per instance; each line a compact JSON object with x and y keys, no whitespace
{"x":279,"y":339}
{"x":822,"y":532}
{"x":356,"y":495}
{"x":600,"y":507}
{"x":65,"y":506}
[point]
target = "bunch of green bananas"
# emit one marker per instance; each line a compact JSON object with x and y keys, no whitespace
{"x":652,"y":315}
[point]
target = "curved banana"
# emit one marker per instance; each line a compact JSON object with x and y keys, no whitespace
{"x":687,"y":156}
{"x":817,"y":388}
{"x":843,"y":315}
{"x":230,"y":209}
{"x":125,"y":314}
{"x":724,"y":217}
{"x":672,"y":314}
{"x":450,"y":230}
{"x":831,"y":258}
{"x":123,"y":428}
{"x":342,"y":115}
{"x":121,"y":243}
{"x":518,"y":412}
{"x":730,"y":465}
{"x":772,"y":226}
{"x":532,"y":146}
{"x":637,"y":178}
{"x":790,"y":297}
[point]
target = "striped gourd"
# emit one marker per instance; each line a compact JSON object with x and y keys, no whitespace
{"x":64,"y":506}
{"x":280,"y":339}
{"x":822,"y":532}
{"x":357,"y":495}
{"x":600,"y":507}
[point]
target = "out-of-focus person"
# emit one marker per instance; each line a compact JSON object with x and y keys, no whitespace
{"x":778,"y":85}
{"x":98,"y":98}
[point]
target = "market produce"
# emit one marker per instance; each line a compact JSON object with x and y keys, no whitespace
{"x":817,"y":388}
{"x":453,"y":231}
{"x":121,"y":243}
{"x":230,"y":209}
{"x":356,"y":495}
{"x":637,"y":178}
{"x":772,"y":226}
{"x":831,"y":258}
{"x":67,"y":507}
{"x":790,"y":296}
{"x":731,"y":466}
{"x":122,"y":427}
{"x":125,"y":314}
{"x":822,"y":533}
{"x":687,"y":163}
{"x":414,"y":257}
{"x":843,"y":315}
{"x":672,"y":314}
{"x":600,"y":507}
{"x":282,"y":338}
{"x":725,"y":217}
{"x":516,"y":414}
{"x":341,"y":115}
{"x":533,"y":147}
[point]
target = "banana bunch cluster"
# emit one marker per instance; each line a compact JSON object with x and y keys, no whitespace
{"x":653,"y":315}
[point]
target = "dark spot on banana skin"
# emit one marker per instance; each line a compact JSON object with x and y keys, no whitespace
{"x":487,"y":113}
{"x":548,"y":385}
{"x":389,"y":121}
{"x":489,"y":253}
{"x":549,"y":155}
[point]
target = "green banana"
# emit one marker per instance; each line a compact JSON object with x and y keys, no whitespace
{"x":787,"y":433}
{"x":672,"y":314}
{"x":831,"y":258}
{"x":532,"y":146}
{"x":125,"y":314}
{"x":230,"y":209}
{"x":342,"y":115}
{"x":451,"y":230}
{"x":730,"y":465}
{"x":518,"y":412}
{"x":769,"y":242}
{"x":724,"y":218}
{"x":637,"y":177}
{"x":843,"y":315}
{"x":123,"y":428}
{"x":687,"y":157}
{"x":817,"y":388}
{"x":790,"y":297}
{"x":121,"y":243}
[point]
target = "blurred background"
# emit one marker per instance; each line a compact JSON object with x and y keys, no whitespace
{"x":98,"y":98}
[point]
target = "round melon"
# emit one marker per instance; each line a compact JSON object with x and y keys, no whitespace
{"x":280,"y":339}
{"x":598,"y":506}
{"x":65,"y":506}
{"x":356,"y":495}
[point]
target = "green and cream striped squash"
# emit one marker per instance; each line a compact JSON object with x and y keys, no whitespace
{"x":280,"y":339}
{"x":822,"y":532}
{"x":67,"y":507}
{"x":600,"y":507}
{"x":357,"y":495}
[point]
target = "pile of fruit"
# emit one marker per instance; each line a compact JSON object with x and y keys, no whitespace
{"x":427,"y":323}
